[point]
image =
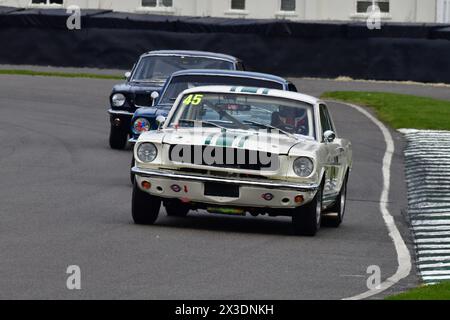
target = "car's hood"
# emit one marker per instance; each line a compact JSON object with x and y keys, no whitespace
{"x":134,"y":87}
{"x":243,"y":139}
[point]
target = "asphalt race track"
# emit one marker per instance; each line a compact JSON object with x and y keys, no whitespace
{"x":65,"y":199}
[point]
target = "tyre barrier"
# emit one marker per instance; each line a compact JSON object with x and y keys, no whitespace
{"x":413,"y":52}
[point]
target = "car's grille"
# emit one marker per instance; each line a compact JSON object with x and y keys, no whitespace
{"x":143,"y":99}
{"x":222,"y":174}
{"x":224,"y":157}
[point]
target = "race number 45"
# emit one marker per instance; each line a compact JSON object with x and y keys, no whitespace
{"x":192,"y":99}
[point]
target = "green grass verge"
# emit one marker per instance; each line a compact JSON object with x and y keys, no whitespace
{"x":59,"y":74}
{"x":440,"y":291}
{"x":399,"y":110}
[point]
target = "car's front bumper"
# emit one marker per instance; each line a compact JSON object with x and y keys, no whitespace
{"x":120,"y":113}
{"x":250,"y":191}
{"x":120,"y":119}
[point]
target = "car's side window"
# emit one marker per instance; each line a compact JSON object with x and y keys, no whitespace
{"x":240,"y":66}
{"x":325,"y":119}
{"x":330,"y":121}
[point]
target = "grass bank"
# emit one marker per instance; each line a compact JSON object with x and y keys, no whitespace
{"x":439,"y":291}
{"x":399,"y":110}
{"x":59,"y":74}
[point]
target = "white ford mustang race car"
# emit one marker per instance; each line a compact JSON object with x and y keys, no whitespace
{"x":238,"y":150}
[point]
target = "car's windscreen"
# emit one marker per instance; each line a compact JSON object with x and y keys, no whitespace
{"x":244,"y":111}
{"x":159,"y":68}
{"x":180,"y":83}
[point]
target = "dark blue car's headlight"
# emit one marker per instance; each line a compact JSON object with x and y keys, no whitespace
{"x":141,"y":125}
{"x":118,"y":100}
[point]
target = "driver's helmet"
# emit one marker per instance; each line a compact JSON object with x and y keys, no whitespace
{"x":294,"y":117}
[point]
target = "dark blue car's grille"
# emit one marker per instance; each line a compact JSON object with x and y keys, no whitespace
{"x":143,"y":99}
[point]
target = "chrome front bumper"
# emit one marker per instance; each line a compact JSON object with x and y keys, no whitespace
{"x":264,"y":184}
{"x":190,"y":187}
{"x":120,"y":112}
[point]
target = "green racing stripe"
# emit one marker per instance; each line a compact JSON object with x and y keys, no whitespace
{"x":209,"y":139}
{"x":226,"y":140}
{"x":242,"y":141}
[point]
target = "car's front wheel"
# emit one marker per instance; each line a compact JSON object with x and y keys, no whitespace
{"x":117,"y":138}
{"x":144,"y":207}
{"x":175,"y":208}
{"x":338,"y":209}
{"x":306,"y":219}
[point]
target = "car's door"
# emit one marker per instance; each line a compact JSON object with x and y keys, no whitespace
{"x":334,"y":151}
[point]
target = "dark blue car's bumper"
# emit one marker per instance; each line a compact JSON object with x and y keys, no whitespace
{"x":120,"y":119}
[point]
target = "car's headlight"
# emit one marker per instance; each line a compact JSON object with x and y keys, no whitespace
{"x":147,"y":152}
{"x":141,"y":125}
{"x":303,"y":167}
{"x":118,"y":100}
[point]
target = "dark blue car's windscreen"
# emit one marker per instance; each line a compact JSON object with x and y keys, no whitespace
{"x":159,"y":68}
{"x":181,"y":83}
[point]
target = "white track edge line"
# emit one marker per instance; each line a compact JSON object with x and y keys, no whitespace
{"x":403,"y":255}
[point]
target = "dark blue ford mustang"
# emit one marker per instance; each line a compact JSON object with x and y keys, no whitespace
{"x":146,"y":80}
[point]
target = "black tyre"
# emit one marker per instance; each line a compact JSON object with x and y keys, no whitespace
{"x":144,"y":207}
{"x":131,"y":166}
{"x":117,"y":138}
{"x":174,"y":208}
{"x":338,"y":209}
{"x":306,"y":219}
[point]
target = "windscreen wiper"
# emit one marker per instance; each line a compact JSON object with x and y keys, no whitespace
{"x":268,"y":126}
{"x":202,"y":123}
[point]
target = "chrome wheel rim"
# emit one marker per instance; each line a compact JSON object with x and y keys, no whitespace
{"x":342,"y":204}
{"x":319,"y":207}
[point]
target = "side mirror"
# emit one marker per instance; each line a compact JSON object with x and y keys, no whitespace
{"x":127,"y":75}
{"x":160,"y":121}
{"x":329,"y":136}
{"x":154,"y":95}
